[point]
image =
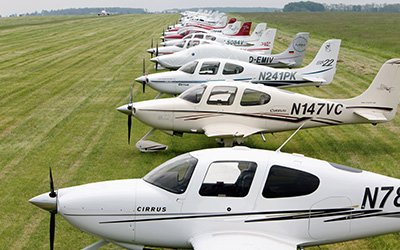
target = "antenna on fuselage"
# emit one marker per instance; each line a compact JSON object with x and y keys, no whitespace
{"x":297,"y":130}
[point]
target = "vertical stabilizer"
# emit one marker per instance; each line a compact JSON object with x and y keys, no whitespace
{"x":232,"y":28}
{"x":245,"y":30}
{"x":323,"y":68}
{"x":266,"y":42}
{"x":382,"y":96}
{"x":258,"y":32}
{"x":294,"y":54}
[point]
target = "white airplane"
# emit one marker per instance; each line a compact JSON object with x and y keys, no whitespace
{"x":193,"y":26}
{"x":264,"y":44}
{"x":232,"y":111}
{"x":319,"y":72}
{"x":291,"y":58}
{"x":229,"y":40}
{"x":104,"y":13}
{"x":200,"y":25}
{"x":232,"y":199}
{"x":230,"y":30}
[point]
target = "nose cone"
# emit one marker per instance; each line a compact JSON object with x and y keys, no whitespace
{"x":44,"y":201}
{"x":126,"y":109}
{"x":142,"y":79}
{"x":163,"y":43}
{"x":155,"y":59}
{"x":151,"y":50}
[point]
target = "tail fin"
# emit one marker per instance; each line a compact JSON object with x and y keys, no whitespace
{"x":323,"y":67}
{"x":257,"y":33}
{"x":294,"y":54}
{"x":231,"y":28}
{"x":379,"y":102}
{"x":245,"y":30}
{"x":266,"y":42}
{"x":232,"y":20}
{"x":222,"y":21}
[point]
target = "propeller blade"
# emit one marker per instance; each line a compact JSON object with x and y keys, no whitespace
{"x":129,"y":128}
{"x":52,"y":193}
{"x":152,"y":47}
{"x":144,"y":73}
{"x":52,"y":229}
{"x":156,"y":56}
{"x":130,"y":116}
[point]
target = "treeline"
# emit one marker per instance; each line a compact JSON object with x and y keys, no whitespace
{"x":88,"y":11}
{"x":318,"y":7}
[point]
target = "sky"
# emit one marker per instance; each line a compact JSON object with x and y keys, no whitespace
{"x":27,"y":6}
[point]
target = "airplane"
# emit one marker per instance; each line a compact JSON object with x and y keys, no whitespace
{"x":229,"y":40}
{"x":231,"y":198}
{"x":264,"y":44}
{"x":319,"y":72}
{"x":104,"y":13}
{"x":175,"y":30}
{"x":230,"y":29}
{"x":291,"y":58}
{"x":232,"y":111}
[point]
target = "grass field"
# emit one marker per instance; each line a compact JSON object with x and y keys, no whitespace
{"x":62,"y":78}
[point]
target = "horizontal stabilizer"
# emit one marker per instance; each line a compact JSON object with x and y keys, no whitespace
{"x":223,"y":130}
{"x":314,"y":79}
{"x":372,"y":115}
{"x":288,"y":63}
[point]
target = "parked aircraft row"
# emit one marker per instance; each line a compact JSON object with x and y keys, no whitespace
{"x":240,"y":198}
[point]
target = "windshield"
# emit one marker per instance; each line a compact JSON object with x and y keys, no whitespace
{"x":173,"y":175}
{"x":189,"y":67}
{"x":193,"y":94}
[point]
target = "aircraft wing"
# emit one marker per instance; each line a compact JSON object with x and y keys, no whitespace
{"x":229,"y":130}
{"x":239,"y":241}
{"x":371,"y":115}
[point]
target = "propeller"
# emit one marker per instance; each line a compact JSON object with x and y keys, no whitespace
{"x":152,"y":48}
{"x":130,"y":116}
{"x":144,"y":73}
{"x":53,"y":213}
{"x":156,"y":56}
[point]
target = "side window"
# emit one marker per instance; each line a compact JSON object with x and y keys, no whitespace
{"x":288,"y":182}
{"x":212,"y":38}
{"x":228,"y":179}
{"x":232,"y":69}
{"x":193,"y":43}
{"x":253,"y":98}
{"x":200,"y":36}
{"x":222,"y":95}
{"x":209,"y":68}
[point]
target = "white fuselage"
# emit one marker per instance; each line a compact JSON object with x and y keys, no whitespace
{"x":341,"y":205}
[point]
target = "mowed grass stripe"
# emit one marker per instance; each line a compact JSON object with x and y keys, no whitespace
{"x":129,"y":56}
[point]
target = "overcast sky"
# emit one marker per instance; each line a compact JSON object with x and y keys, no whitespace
{"x":23,"y":6}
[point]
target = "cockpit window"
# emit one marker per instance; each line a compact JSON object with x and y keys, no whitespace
{"x":200,"y":36}
{"x":193,"y":43}
{"x":288,"y":182}
{"x":193,"y":94}
{"x":189,"y":67}
{"x":180,"y":44}
{"x":222,"y":95}
{"x":228,"y":179}
{"x":253,"y":97}
{"x":209,"y":68}
{"x":232,"y":69}
{"x":173,"y":175}
{"x":210,"y":37}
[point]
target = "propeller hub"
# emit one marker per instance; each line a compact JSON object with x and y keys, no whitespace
{"x":126,"y":109}
{"x":45,"y":201}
